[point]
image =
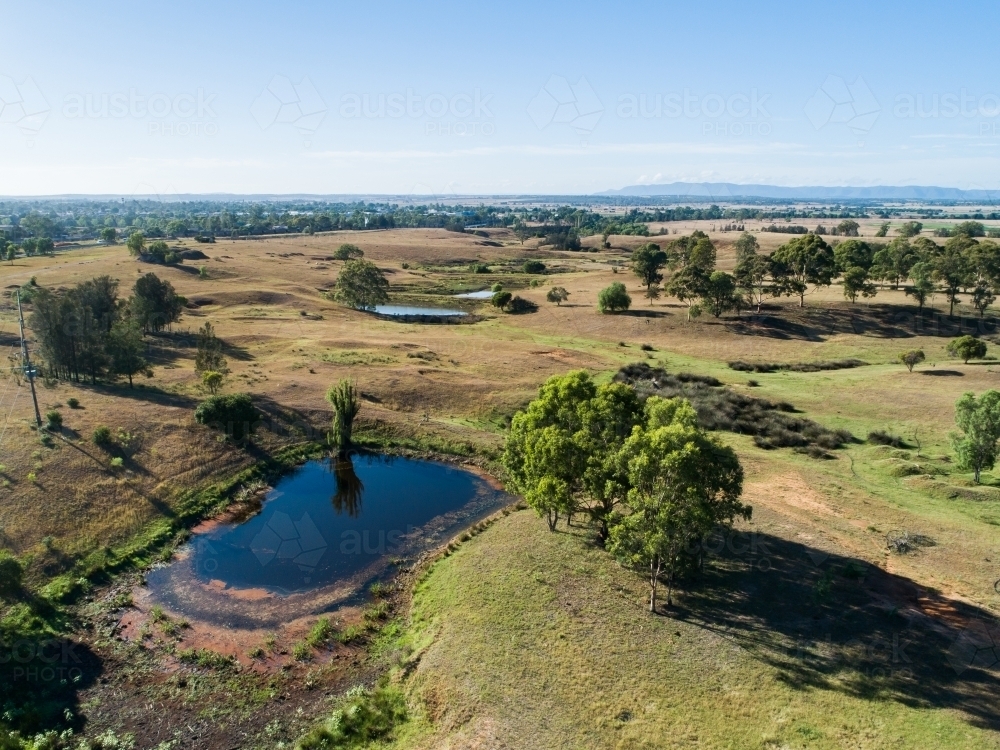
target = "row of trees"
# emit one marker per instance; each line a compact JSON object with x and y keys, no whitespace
{"x":28,"y":247}
{"x":87,"y":331}
{"x":963,"y":265}
{"x":647,"y":476}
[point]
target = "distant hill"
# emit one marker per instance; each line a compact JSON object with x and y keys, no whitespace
{"x":729,"y":191}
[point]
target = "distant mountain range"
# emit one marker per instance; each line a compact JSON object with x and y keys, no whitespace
{"x":730,"y":191}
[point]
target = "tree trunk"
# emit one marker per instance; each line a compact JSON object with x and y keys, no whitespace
{"x":553,"y":519}
{"x":654,"y":569}
{"x":130,"y":380}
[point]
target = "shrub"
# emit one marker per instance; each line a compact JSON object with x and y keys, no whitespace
{"x":518,"y":305}
{"x":365,"y":717}
{"x":479,"y":268}
{"x":613,"y":299}
{"x":765,"y":367}
{"x":11,"y":574}
{"x":301,"y":651}
{"x":320,"y":633}
{"x":500,"y":299}
{"x":53,"y":420}
{"x":647,"y":348}
{"x":881,"y":437}
{"x":116,"y":462}
{"x":533,"y":266}
{"x":752,"y":383}
{"x":73,"y":402}
{"x":498,"y":287}
{"x":232,"y":413}
{"x":912,"y":358}
{"x":772,"y":425}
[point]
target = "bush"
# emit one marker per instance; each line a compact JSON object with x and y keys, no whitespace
{"x":912,"y":358}
{"x":500,"y":299}
{"x":479,"y":268}
{"x":73,"y":403}
{"x":881,"y":437}
{"x":613,"y":299}
{"x":366,"y":716}
{"x":11,"y":574}
{"x":533,"y":266}
{"x":53,"y":420}
{"x":772,"y":425}
{"x":232,"y":413}
{"x":765,"y":367}
{"x":102,"y":436}
{"x":518,"y":305}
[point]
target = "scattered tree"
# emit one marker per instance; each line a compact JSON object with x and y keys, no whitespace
{"x":127,"y":350}
{"x":557,"y":294}
{"x":647,"y":262}
{"x":912,"y":358}
{"x":347,"y":251}
{"x":361,"y":285}
{"x":613,"y":299}
{"x":683,"y":485}
{"x":803,"y":261}
{"x":857,"y":283}
{"x":232,"y":413}
{"x":209,"y":357}
{"x":967,"y":347}
{"x":343,"y":397}
{"x":155,"y":305}
{"x":979,"y":421}
{"x":109,"y":235}
{"x":212,"y":380}
{"x":136,"y":243}
{"x":720,"y":293}
{"x":910,"y":229}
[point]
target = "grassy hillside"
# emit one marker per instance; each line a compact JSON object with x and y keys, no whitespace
{"x":532,"y":639}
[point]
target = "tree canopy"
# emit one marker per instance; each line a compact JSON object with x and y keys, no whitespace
{"x":361,"y":285}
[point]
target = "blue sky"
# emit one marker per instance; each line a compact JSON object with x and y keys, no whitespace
{"x":460,"y":98}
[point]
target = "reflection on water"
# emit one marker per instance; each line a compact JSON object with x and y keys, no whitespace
{"x":348,"y":487}
{"x":402,"y":310}
{"x":323,"y":532}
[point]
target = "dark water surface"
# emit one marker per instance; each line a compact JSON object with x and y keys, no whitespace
{"x":324,"y":531}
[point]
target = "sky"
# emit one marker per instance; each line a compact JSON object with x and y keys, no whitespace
{"x":451,"y":99}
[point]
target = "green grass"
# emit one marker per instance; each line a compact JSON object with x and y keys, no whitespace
{"x":534,"y":639}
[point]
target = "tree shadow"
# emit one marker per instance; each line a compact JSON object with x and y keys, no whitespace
{"x":143,"y":392}
{"x":943,"y":373}
{"x":877,"y":320}
{"x":166,"y":347}
{"x":830,"y":622}
{"x":42,"y":675}
{"x":636,"y":312}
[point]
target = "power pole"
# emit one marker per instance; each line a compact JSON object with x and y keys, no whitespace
{"x":28,"y":371}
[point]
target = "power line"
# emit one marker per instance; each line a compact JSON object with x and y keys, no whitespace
{"x":28,"y":371}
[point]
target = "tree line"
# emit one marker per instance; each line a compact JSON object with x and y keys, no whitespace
{"x":88,"y":332}
{"x":963,"y":265}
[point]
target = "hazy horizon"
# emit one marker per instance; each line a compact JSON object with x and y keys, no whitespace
{"x":222,"y":98}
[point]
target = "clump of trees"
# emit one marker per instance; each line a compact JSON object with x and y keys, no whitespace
{"x":649,"y":478}
{"x":87,"y":331}
{"x":361,"y":285}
